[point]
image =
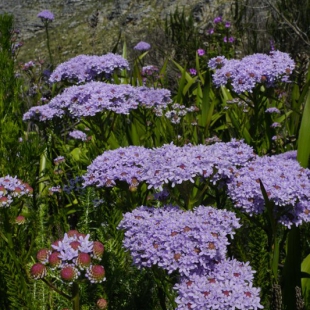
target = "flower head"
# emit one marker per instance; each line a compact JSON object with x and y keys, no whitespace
{"x":46,"y":15}
{"x":95,"y":273}
{"x":38,"y":271}
{"x":142,"y":46}
{"x":201,"y":52}
{"x":217,"y":20}
{"x":102,"y":303}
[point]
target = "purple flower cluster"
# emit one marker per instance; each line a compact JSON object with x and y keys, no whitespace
{"x":174,"y":239}
{"x":46,"y":15}
{"x":256,"y":69}
{"x":287,"y":185}
{"x":72,"y":256}
{"x":85,"y":68}
{"x":12,"y":188}
{"x":227,"y":286}
{"x":194,"y":244}
{"x":96,"y":97}
{"x":168,"y":164}
{"x":142,"y":46}
{"x":78,"y":135}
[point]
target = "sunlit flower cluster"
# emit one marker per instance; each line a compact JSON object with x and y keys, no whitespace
{"x":257,"y":69}
{"x":286,"y":183}
{"x":85,"y":68}
{"x":95,"y":97}
{"x":168,"y":164}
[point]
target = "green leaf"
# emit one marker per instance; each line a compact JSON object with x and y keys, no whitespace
{"x":303,"y":151}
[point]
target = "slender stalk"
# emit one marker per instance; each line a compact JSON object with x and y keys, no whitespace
{"x":75,"y":297}
{"x":48,"y":43}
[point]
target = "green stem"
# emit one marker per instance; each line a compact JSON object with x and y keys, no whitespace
{"x":48,"y":43}
{"x":56,"y":289}
{"x":75,"y":297}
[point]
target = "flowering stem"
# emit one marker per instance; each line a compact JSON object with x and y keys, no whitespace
{"x":75,"y":297}
{"x":48,"y":43}
{"x":56,"y":289}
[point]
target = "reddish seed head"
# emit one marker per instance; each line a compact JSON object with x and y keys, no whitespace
{"x":75,"y":245}
{"x":42,"y":255}
{"x":20,"y":220}
{"x":38,"y":271}
{"x":98,"y":249}
{"x":72,"y":233}
{"x":83,"y":260}
{"x":68,"y":273}
{"x":54,"y":260}
{"x":96,"y":273}
{"x":102,"y":303}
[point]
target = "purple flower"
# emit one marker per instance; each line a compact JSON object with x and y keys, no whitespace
{"x":275,"y":125}
{"x":273,"y":110}
{"x":287,"y":155}
{"x":78,"y":135}
{"x":168,"y":164}
{"x":211,"y":31}
{"x":227,"y":24}
{"x":193,"y":71}
{"x":217,"y":20}
{"x":287,"y":185}
{"x":229,"y":285}
{"x":201,"y":52}
{"x":174,"y":239}
{"x":142,"y":46}
{"x":245,"y":74}
{"x":98,"y":97}
{"x":46,"y":15}
{"x":85,"y":68}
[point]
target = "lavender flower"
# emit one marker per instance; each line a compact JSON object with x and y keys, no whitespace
{"x":193,"y":71}
{"x":275,"y":125}
{"x":217,"y":20}
{"x":78,"y":135}
{"x":273,"y":110}
{"x":96,"y":97}
{"x":287,"y":155}
{"x":142,"y":46}
{"x":168,"y":164}
{"x":175,"y":239}
{"x":227,"y":24}
{"x":46,"y":15}
{"x":287,"y":185}
{"x":12,"y":188}
{"x":253,"y":70}
{"x":201,"y":52}
{"x":227,"y":286}
{"x":85,"y":68}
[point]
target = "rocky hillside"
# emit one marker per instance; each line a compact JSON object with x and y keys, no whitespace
{"x":71,"y":32}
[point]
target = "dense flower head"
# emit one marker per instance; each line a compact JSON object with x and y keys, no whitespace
{"x":95,"y":273}
{"x":11,"y":189}
{"x":85,"y":68}
{"x":174,"y":239}
{"x":38,"y":271}
{"x":227,"y":286}
{"x":201,"y":52}
{"x":167,"y":164}
{"x":71,"y":257}
{"x":46,"y":15}
{"x":252,"y":70}
{"x":20,"y":220}
{"x":95,"y":97}
{"x":102,"y":303}
{"x":69,"y":273}
{"x":78,"y":135}
{"x":142,"y":46}
{"x":286,"y":183}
